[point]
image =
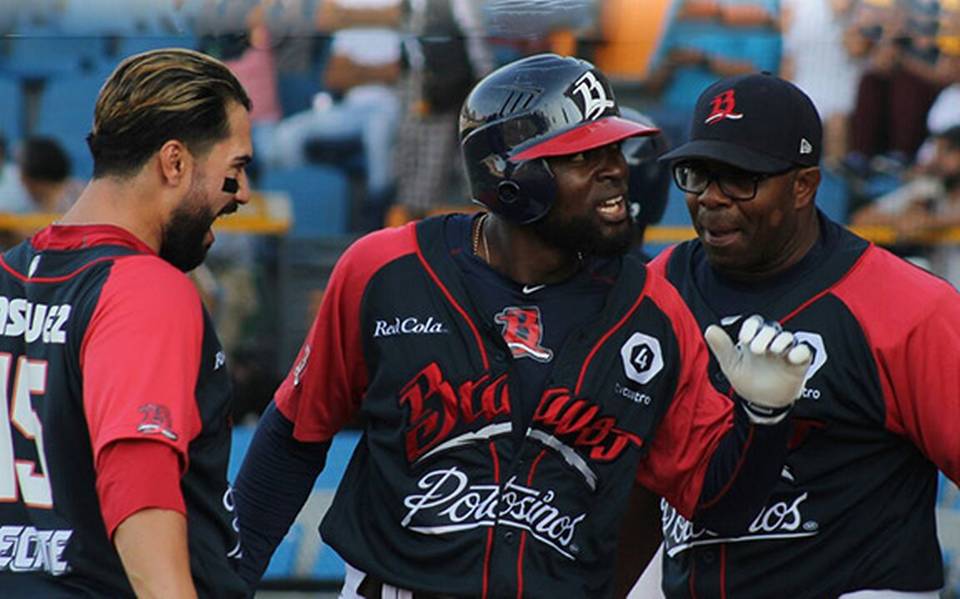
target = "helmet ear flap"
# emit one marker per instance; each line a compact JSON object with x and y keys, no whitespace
{"x":535,"y":189}
{"x":508,"y":192}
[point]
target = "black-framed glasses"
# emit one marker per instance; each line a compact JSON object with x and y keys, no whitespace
{"x":694,"y":177}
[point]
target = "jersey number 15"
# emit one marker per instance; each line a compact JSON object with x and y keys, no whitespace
{"x":30,"y":379}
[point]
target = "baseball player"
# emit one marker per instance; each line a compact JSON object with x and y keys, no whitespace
{"x":516,"y":373}
{"x":852,"y":514}
{"x":113,"y":426}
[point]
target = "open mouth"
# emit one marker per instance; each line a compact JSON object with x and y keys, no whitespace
{"x":228,"y":209}
{"x":613,"y":210}
{"x":719,"y":237}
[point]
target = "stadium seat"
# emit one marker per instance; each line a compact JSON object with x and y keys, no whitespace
{"x":296,"y":91}
{"x":833,"y":197}
{"x":319,"y":195}
{"x":44,"y":56}
{"x":11,"y":109}
{"x":135,"y":44}
{"x":66,"y":114}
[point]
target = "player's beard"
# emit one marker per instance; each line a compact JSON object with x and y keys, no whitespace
{"x":582,"y":233}
{"x":182,"y":244}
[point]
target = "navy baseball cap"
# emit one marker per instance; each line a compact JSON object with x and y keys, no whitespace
{"x":758,"y":122}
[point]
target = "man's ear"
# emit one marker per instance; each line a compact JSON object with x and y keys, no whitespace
{"x":805,"y":186}
{"x":175,"y":162}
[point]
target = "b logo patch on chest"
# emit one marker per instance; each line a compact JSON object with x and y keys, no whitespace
{"x":522,"y":329}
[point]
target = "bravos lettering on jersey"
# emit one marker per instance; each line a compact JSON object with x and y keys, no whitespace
{"x":437,"y":406}
{"x":450,"y":503}
{"x":580,"y":423}
{"x":778,"y":520}
{"x":408,"y":326}
{"x":26,"y":549}
{"x":20,"y":318}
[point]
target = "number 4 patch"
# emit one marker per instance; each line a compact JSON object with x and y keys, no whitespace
{"x":642,"y":358}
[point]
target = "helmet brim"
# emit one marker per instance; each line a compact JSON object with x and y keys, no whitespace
{"x":586,"y":136}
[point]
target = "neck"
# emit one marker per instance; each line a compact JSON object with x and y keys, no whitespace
{"x":122,"y":203}
{"x":515,"y":251}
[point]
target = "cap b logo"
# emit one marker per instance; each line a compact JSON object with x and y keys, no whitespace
{"x":594,"y":96}
{"x":805,"y":146}
{"x":722,"y":107}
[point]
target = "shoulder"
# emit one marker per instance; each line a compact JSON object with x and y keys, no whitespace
{"x":886,"y":292}
{"x":150,"y":285}
{"x":372,"y":251}
{"x":661,"y":261}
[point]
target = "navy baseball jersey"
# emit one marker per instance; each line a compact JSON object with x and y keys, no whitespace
{"x":101,"y":342}
{"x":460,"y":485}
{"x":854,"y":507}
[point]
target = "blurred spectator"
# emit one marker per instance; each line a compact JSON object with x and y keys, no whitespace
{"x":899,"y":84}
{"x":45,"y":174}
{"x":629,"y":35}
{"x":256,"y":69}
{"x":13,"y":197}
{"x":815,"y":58}
{"x":926,"y":205}
{"x":360,"y":74}
{"x":446,"y":53}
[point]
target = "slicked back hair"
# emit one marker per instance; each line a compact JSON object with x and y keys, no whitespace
{"x":158,"y":96}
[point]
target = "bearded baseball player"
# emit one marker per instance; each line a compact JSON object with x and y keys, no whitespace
{"x":517,"y":374}
{"x":852,"y":514}
{"x":114,"y":432}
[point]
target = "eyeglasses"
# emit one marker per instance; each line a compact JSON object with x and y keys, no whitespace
{"x":693,"y":177}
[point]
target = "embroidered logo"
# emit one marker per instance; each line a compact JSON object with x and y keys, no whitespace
{"x":156,"y":419}
{"x":523,"y":332}
{"x":722,"y":106}
{"x":593,"y":94}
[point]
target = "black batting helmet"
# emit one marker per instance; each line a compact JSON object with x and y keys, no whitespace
{"x":650,"y":179}
{"x":526,"y":111}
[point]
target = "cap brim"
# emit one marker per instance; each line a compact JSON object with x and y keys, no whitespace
{"x":587,"y":136}
{"x":727,"y":153}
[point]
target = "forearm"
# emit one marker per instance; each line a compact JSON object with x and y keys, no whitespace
{"x":152,"y":544}
{"x":275,"y":480}
{"x":742,"y":473}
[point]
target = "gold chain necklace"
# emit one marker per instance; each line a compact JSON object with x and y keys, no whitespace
{"x":480,"y":234}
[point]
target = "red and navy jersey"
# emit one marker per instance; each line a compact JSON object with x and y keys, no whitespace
{"x":103,"y":342}
{"x":441,"y":494}
{"x":854,"y":507}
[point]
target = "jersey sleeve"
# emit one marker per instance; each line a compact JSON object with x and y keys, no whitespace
{"x":323,"y":389}
{"x":912,"y":324}
{"x":140,"y":357}
{"x":698,"y":416}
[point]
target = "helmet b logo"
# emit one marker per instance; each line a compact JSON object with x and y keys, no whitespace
{"x":722,"y":107}
{"x":593,"y":94}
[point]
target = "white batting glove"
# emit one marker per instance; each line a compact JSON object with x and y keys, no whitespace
{"x":767,"y":367}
